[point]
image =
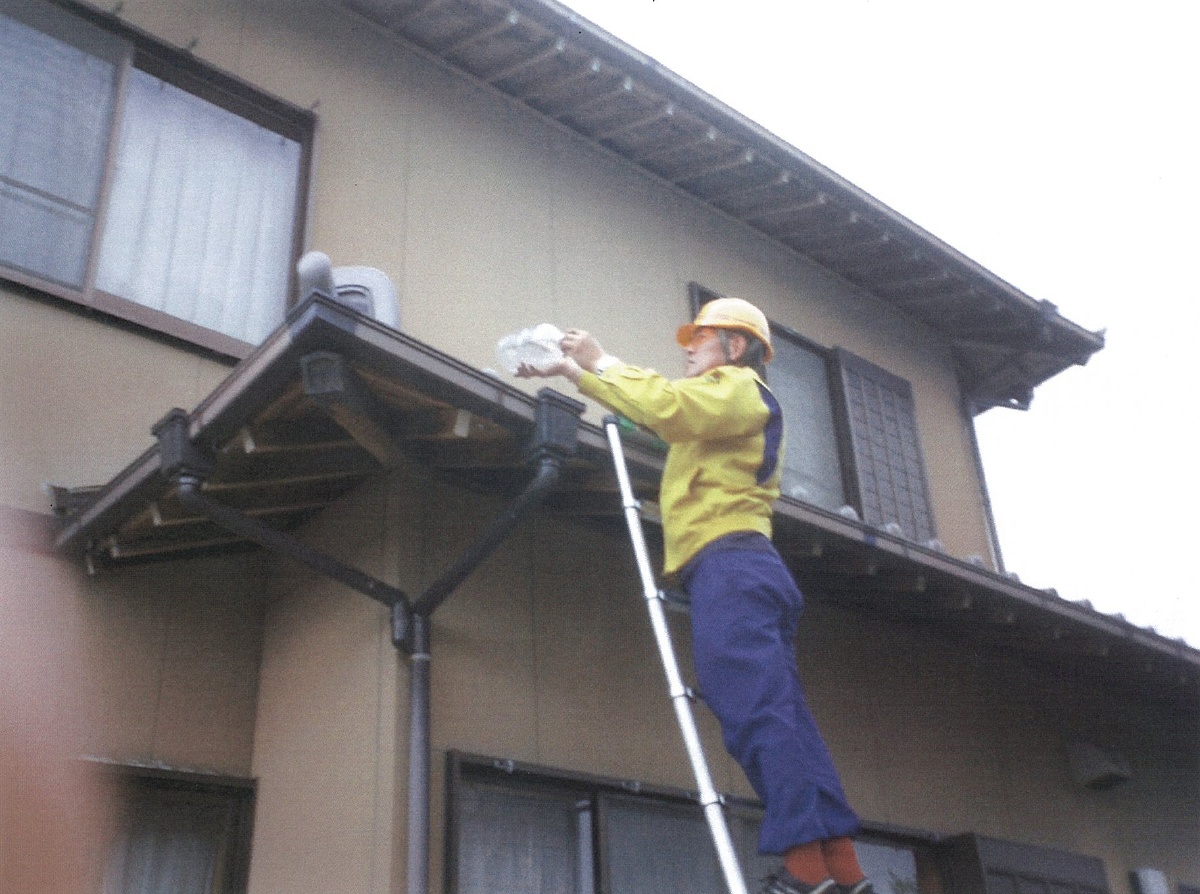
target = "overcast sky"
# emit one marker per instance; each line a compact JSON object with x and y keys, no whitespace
{"x":1056,"y":143}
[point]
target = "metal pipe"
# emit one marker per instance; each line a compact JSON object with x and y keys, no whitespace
{"x":418,"y":756}
{"x":231,"y":519}
{"x":418,"y":644}
{"x":549,"y":468}
{"x":557,"y":422}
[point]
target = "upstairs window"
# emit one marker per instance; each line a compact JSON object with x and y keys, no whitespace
{"x":851,"y":435}
{"x":135,"y":181}
{"x":812,"y":463}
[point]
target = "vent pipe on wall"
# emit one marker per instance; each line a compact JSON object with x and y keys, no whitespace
{"x":367,"y":290}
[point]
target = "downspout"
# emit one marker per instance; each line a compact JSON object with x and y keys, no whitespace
{"x":417,"y":644}
{"x":554,"y":441}
{"x":556,"y":429}
{"x":969,"y":413}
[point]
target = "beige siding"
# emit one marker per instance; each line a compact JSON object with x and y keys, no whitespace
{"x":78,"y":396}
{"x":176,"y":653}
{"x":165,"y":658}
{"x":489,"y":220}
{"x":545,"y":656}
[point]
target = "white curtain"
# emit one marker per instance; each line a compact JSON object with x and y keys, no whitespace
{"x":202,"y":211}
{"x":55,"y":107}
{"x":169,"y":849}
{"x":519,"y":844}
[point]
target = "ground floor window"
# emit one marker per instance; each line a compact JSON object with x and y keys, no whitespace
{"x":978,"y":865}
{"x":180,"y":833}
{"x":528,"y":830}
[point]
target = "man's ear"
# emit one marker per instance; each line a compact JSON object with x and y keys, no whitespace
{"x":738,"y":343}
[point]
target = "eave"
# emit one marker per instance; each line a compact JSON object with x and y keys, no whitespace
{"x":280,"y":456}
{"x":562,"y":67}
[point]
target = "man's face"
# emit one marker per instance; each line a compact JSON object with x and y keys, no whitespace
{"x":704,"y":352}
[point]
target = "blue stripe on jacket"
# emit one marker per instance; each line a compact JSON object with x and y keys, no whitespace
{"x":773,"y":433}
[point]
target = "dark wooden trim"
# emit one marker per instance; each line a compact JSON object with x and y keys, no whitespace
{"x":181,"y":67}
{"x":123,"y":310}
{"x":172,"y":326}
{"x":128,"y":315}
{"x":120,"y":89}
{"x":698,"y":296}
{"x":484,"y":767}
{"x":968,"y":861}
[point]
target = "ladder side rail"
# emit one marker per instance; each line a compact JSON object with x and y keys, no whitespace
{"x":680,"y":694}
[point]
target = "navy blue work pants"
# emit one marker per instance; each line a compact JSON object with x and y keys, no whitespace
{"x":745,"y":608}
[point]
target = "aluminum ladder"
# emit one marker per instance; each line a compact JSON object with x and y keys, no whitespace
{"x":681,"y":695}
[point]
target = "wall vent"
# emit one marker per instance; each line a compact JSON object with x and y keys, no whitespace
{"x":1094,"y":768}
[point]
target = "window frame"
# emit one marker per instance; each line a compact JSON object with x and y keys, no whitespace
{"x":525,"y":779}
{"x":183,"y":70}
{"x":838,"y":362}
{"x":845,"y":364}
{"x":600,"y":791}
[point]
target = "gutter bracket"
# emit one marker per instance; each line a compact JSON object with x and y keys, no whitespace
{"x":177,"y":454}
{"x":333,"y":385}
{"x":556,"y":426}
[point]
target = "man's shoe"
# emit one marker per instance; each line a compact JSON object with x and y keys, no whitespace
{"x":863,"y":887}
{"x":783,"y":882}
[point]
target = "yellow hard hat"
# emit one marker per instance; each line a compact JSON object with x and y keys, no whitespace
{"x":729,"y":313}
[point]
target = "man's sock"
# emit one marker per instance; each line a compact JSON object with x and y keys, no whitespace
{"x":806,"y":863}
{"x":841,"y":861}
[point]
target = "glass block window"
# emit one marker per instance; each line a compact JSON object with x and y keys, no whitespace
{"x":889,"y":469}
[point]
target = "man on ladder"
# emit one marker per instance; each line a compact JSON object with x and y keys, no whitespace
{"x":724,"y":429}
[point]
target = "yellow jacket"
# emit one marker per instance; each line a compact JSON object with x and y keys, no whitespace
{"x":724,"y":430}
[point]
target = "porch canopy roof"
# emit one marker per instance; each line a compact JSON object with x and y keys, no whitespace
{"x":549,"y":59}
{"x":281,"y":452}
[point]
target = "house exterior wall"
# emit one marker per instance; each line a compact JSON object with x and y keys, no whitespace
{"x":79,"y":395}
{"x":488,"y":220}
{"x":164,"y":659}
{"x":544,"y":656}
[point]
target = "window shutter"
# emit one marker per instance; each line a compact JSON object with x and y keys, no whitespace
{"x":887,"y":467}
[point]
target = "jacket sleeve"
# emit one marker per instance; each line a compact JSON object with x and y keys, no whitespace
{"x":722,"y":403}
